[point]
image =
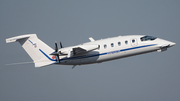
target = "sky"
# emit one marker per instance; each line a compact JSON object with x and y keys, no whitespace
{"x":148,"y":77}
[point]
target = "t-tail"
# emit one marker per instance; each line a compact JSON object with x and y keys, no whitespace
{"x":36,"y":49}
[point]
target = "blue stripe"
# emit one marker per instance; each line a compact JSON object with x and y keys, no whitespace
{"x":47,"y":55}
{"x":30,"y":41}
{"x":112,"y":52}
{"x":137,"y":47}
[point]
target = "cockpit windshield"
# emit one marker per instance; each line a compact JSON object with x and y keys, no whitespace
{"x":146,"y":38}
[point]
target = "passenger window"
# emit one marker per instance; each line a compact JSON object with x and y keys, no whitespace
{"x":112,"y":45}
{"x":133,"y":41}
{"x":105,"y":46}
{"x":126,"y":42}
{"x":119,"y":43}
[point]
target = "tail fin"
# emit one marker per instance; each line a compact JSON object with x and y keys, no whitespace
{"x":36,"y":49}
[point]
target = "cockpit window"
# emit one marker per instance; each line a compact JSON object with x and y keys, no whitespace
{"x":145,"y":38}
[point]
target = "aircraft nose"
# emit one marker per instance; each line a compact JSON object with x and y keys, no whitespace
{"x":166,"y":43}
{"x":172,"y":44}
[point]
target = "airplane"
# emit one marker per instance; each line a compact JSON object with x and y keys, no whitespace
{"x":95,"y":51}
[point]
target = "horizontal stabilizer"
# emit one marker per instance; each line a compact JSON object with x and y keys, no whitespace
{"x":14,"y":39}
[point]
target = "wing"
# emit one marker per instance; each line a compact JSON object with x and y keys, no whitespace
{"x":78,"y":50}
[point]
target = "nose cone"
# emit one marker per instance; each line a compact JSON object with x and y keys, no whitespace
{"x":172,"y":44}
{"x":165,"y":43}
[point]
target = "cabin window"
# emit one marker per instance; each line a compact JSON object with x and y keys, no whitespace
{"x":105,"y":46}
{"x":126,"y":42}
{"x":133,"y":41}
{"x":119,"y":43}
{"x":112,"y":45}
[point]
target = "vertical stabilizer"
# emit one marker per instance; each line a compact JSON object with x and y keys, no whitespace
{"x":36,"y":49}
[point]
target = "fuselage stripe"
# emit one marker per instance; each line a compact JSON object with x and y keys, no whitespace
{"x":47,"y":55}
{"x":112,"y":52}
{"x":30,"y":41}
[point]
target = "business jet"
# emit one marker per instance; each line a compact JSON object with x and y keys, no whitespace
{"x":95,"y":51}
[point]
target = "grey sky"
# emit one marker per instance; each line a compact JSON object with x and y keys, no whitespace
{"x":149,"y":77}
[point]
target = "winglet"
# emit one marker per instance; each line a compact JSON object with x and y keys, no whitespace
{"x":91,"y":39}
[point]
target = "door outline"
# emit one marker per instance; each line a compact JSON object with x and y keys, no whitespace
{"x":134,"y":42}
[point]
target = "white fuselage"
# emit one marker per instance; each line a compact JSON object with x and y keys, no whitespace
{"x":116,"y":48}
{"x":91,"y":52}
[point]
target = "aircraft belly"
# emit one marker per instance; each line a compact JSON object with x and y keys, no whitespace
{"x":80,"y":61}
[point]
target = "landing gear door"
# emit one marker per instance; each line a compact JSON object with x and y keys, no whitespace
{"x":134,"y":42}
